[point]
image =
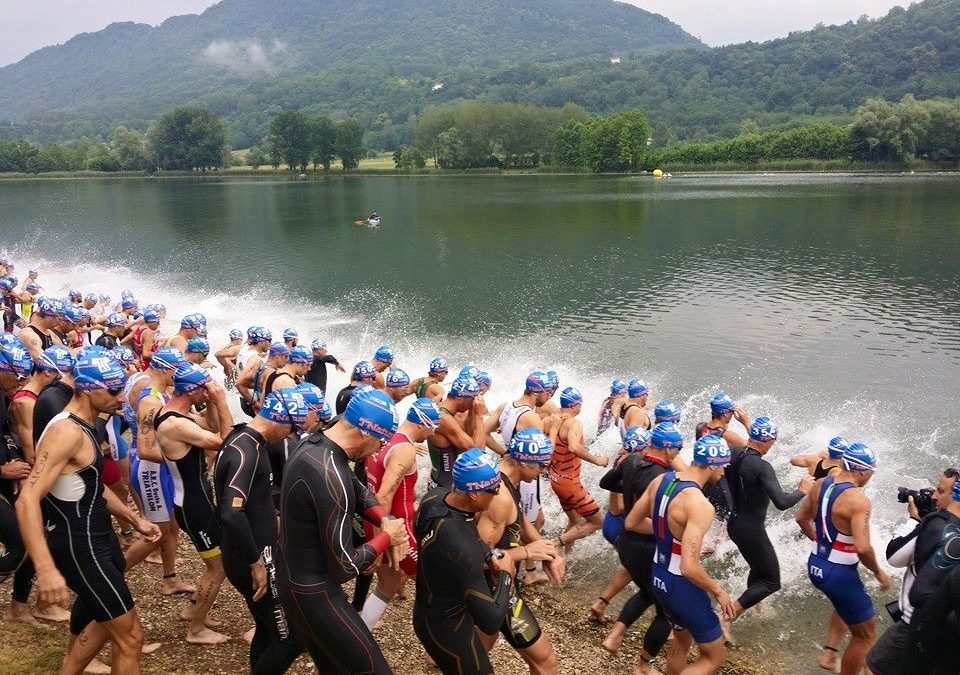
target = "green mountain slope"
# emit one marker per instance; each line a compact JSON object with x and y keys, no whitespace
{"x":131,"y":70}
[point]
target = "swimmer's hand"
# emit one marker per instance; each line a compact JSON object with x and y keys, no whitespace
{"x":884,"y":580}
{"x":503,"y":564}
{"x":215,"y":389}
{"x":727,"y":605}
{"x":399,"y":544}
{"x":258,"y":578}
{"x":805,"y":484}
{"x":51,"y":586}
{"x":149,"y":530}
{"x":541,"y":549}
{"x":603,"y":461}
{"x":341,"y":368}
{"x":422,"y":449}
{"x":556,"y":569}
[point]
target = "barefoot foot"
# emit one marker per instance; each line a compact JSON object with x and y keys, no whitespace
{"x":173,"y":586}
{"x":97,"y":667}
{"x":534,"y":577}
{"x":248,"y":636}
{"x":150,"y":648}
{"x":206,"y":636}
{"x":51,"y":613}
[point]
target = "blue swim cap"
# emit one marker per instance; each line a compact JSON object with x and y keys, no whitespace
{"x":955,"y":495}
{"x":484,"y":380}
{"x":384,"y":354}
{"x":464,"y":387}
{"x":667,"y":411}
{"x":32,"y":287}
{"x":860,"y":458}
{"x":372,"y":412}
{"x":475,"y":471}
{"x":312,"y":395}
{"x":14,"y":357}
{"x":104,"y":298}
{"x":531,"y":446}
{"x":190,"y":378}
{"x":325,"y":412}
{"x":318,"y":344}
{"x":151,"y":316}
{"x":126,"y":293}
{"x":618,"y":387}
{"x":128,"y":303}
{"x":438,"y":365}
{"x":553,"y":379}
{"x":49,"y":306}
{"x":252,"y":332}
{"x":279,"y":349}
{"x":7,"y":284}
{"x":261,"y":334}
{"x":570,"y":397}
{"x":468,"y":370}
{"x":90,"y":297}
{"x":763,"y":429}
{"x":363,"y":370}
{"x":537,"y":383}
{"x":97,"y":368}
{"x":666,"y":436}
{"x":284,"y":406}
{"x":74,"y":314}
{"x":301,"y":356}
{"x":75,"y":294}
{"x":116,"y":320}
{"x":837,"y":446}
{"x":637,"y":388}
{"x":192,"y":321}
{"x":711,"y":451}
{"x":124,"y":355}
{"x":236,"y":334}
{"x":167,"y":358}
{"x":198,"y":345}
{"x":396,"y":378}
{"x":425,"y":413}
{"x":289,"y":334}
{"x":721,"y":403}
{"x":636,"y":439}
{"x":56,"y":359}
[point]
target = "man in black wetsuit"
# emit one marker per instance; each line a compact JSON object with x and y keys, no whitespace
{"x":248,"y":524}
{"x":453,"y":597}
{"x":112,"y":331}
{"x":318,"y":371}
{"x":316,"y":554}
{"x":363,"y":373}
{"x":64,"y":514}
{"x":754,"y":485}
{"x":636,"y":548}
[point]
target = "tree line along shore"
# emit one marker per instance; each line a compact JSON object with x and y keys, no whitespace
{"x":486,"y":136}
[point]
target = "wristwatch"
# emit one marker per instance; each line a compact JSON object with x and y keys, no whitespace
{"x":493,"y":553}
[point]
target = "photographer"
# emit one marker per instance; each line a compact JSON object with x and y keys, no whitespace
{"x":930,"y":512}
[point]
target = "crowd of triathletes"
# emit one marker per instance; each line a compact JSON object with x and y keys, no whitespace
{"x":306,"y":496}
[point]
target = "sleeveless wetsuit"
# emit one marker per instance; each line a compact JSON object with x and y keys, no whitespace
{"x":82,"y":542}
{"x":529,"y":489}
{"x":622,"y":416}
{"x":193,"y":496}
{"x":687,"y":606}
{"x":453,"y":598}
{"x":565,"y":480}
{"x":442,"y":459}
{"x":520,"y":628}
{"x":402,"y":506}
{"x":248,"y":524}
{"x":821,"y":471}
{"x":316,"y":556}
{"x":44,"y":338}
{"x":151,"y":480}
{"x":832,"y":565}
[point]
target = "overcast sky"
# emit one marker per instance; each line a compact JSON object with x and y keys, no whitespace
{"x":27,"y":25}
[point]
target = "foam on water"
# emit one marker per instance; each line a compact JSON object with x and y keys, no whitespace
{"x":362,"y":321}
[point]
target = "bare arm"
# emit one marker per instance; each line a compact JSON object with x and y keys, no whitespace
{"x":805,"y":461}
{"x":639,"y":518}
{"x":860,"y":528}
{"x":577,"y":447}
{"x":807,"y":511}
{"x":245,"y":379}
{"x":149,"y":342}
{"x":402,"y":459}
{"x":146,"y":429}
{"x":31,"y":341}
{"x":700,"y":516}
{"x":21,"y":424}
{"x":451,"y":429}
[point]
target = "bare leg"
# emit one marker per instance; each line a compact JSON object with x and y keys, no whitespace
{"x":126,"y":637}
{"x":711,"y":656}
{"x":855,"y":655}
{"x":830,"y":658}
{"x":584,"y":528}
{"x":207,"y":589}
{"x":168,"y":553}
{"x":677,"y":658}
{"x":540,"y":657}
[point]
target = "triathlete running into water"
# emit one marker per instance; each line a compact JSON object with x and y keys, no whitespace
{"x":632,"y":411}
{"x":316,"y":553}
{"x":679,"y":515}
{"x":836,"y":517}
{"x":618,"y":392}
{"x":822,"y":464}
{"x":318,"y":371}
{"x":454,"y":437}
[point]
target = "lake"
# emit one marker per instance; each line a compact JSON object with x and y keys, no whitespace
{"x":830,"y":302}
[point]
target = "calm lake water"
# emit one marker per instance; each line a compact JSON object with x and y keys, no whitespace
{"x":830,"y":302}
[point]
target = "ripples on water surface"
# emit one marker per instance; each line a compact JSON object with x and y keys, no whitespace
{"x":829,"y":302}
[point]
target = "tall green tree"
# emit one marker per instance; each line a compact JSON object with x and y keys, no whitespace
{"x":130,"y":149}
{"x":633,"y":132}
{"x":323,"y":141}
{"x":188,"y":138}
{"x":255,"y":157}
{"x":349,"y":143}
{"x":289,"y":139}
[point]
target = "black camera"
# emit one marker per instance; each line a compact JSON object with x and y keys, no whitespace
{"x":922,"y":498}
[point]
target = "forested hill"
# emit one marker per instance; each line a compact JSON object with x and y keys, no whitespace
{"x":136,"y":71}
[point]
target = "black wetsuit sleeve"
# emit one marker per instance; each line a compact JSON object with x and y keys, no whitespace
{"x":235,"y":474}
{"x":330,"y":358}
{"x":612,"y":480}
{"x":368,"y":505}
{"x":771,"y":485}
{"x":488,"y":611}
{"x":334,"y":508}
